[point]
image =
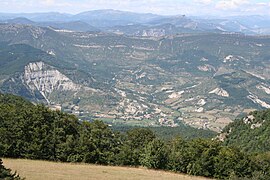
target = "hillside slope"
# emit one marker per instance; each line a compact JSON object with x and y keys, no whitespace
{"x":44,"y":170}
{"x":251,"y":133}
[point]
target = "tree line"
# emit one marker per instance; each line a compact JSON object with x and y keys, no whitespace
{"x":36,"y":132}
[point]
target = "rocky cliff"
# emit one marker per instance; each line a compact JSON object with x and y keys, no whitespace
{"x":46,"y":79}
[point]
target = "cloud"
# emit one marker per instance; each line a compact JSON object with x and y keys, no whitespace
{"x":206,"y":2}
{"x":230,"y":4}
{"x":259,"y":8}
{"x":48,"y":2}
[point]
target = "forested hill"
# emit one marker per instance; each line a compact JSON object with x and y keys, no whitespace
{"x":251,"y":133}
{"x":36,"y":132}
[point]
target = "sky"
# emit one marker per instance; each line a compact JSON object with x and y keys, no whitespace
{"x":163,"y":7}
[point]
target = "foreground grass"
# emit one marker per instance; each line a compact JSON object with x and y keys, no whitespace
{"x":43,"y":170}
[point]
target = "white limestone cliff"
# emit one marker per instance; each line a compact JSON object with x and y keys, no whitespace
{"x":46,"y":79}
{"x":220,"y":92}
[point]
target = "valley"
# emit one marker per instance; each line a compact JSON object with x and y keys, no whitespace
{"x":204,"y":80}
{"x":153,"y":90}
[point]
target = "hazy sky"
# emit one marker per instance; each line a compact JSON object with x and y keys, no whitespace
{"x":165,"y":7}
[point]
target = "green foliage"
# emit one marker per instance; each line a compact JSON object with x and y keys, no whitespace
{"x":247,"y":136}
{"x":184,"y":131}
{"x":209,"y":158}
{"x":98,"y":143}
{"x":167,"y":133}
{"x":36,"y":132}
{"x":231,"y":162}
{"x":138,"y":137}
{"x":262,"y":163}
{"x":155,"y":155}
{"x":132,"y":149}
{"x":201,"y":155}
{"x":6,"y":174}
{"x":15,"y":57}
{"x":179,"y":155}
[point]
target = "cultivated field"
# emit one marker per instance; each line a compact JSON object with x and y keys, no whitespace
{"x":43,"y":170}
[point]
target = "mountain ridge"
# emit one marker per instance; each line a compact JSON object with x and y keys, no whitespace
{"x":109,"y":20}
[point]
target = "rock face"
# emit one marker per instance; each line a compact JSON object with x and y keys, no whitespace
{"x":154,"y":32}
{"x":220,"y":92}
{"x":256,"y":100}
{"x":45,"y":79}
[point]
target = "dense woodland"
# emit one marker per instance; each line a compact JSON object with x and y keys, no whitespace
{"x":167,"y":133}
{"x":36,"y":132}
{"x":251,"y":136}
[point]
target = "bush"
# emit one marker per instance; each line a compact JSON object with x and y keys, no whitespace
{"x":6,"y":174}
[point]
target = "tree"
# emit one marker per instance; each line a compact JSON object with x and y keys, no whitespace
{"x":230,"y":162}
{"x":98,"y":143}
{"x":178,"y":158}
{"x":262,"y":166}
{"x":155,"y":155}
{"x":134,"y":142}
{"x":202,"y":155}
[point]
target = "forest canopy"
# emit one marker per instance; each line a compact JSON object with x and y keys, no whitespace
{"x":36,"y":132}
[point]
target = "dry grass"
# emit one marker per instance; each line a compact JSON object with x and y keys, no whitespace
{"x":43,"y":170}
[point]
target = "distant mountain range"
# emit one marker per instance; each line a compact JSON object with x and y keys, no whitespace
{"x":136,"y":24}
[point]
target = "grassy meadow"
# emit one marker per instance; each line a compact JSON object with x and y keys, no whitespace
{"x":43,"y":170}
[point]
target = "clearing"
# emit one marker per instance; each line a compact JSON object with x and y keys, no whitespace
{"x":43,"y":170}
